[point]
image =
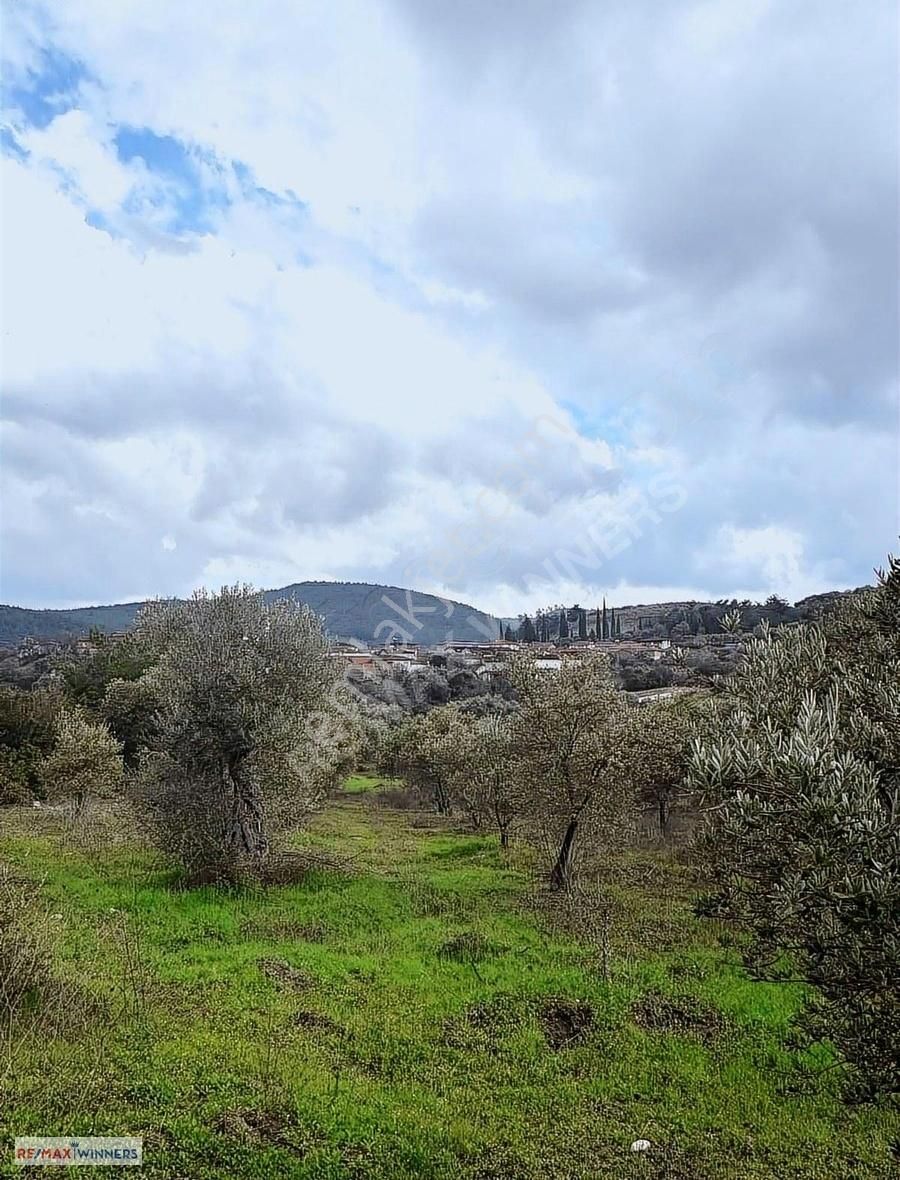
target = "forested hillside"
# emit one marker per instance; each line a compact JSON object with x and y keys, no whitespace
{"x":355,"y":610}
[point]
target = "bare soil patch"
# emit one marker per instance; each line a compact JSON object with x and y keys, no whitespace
{"x":248,"y":1125}
{"x":565,"y":1022}
{"x":682,"y":1015}
{"x":315,"y":1022}
{"x":285,"y":975}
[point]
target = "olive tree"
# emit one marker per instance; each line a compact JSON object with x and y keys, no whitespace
{"x":658,"y":746}
{"x":485,"y":773}
{"x":568,"y":736}
{"x":85,"y":762}
{"x":244,"y":689}
{"x":429,"y":749}
{"x":801,"y":778}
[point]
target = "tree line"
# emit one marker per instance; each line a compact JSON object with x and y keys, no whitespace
{"x":557,"y":623}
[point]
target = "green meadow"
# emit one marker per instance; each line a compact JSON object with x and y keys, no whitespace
{"x":405,"y":1009}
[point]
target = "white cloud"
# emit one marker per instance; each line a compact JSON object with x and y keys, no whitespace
{"x":768,"y":559}
{"x":82,"y":154}
{"x":665,"y":230}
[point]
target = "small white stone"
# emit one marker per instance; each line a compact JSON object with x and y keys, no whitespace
{"x":641,"y":1145}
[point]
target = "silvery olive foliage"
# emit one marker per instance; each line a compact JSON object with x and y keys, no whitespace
{"x":85,"y":762}
{"x":27,"y":732}
{"x":249,"y":731}
{"x":428,"y":751}
{"x":657,"y":746}
{"x":486,"y":780}
{"x":801,"y":773}
{"x":568,"y":733}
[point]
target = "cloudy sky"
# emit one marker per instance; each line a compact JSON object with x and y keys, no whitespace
{"x":518,"y":302}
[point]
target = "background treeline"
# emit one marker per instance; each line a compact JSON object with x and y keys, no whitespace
{"x":559,"y":623}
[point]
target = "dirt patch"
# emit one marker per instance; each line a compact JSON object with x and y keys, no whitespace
{"x":481,"y":1026}
{"x":315,"y":1022}
{"x":682,"y":1015}
{"x":247,"y":1125}
{"x":565,"y":1022}
{"x":308,"y":931}
{"x":285,"y":975}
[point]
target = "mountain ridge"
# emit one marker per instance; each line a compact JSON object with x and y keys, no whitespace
{"x":363,"y":611}
{"x":367,"y":612}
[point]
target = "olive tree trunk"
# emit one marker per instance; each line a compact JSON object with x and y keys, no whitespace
{"x":246,"y":834}
{"x":561,"y":873}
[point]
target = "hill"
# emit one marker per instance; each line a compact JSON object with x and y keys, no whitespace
{"x":352,"y":610}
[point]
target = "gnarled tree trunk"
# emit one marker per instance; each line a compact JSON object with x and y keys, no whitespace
{"x":561,"y":874}
{"x":441,"y":798}
{"x":246,"y":836}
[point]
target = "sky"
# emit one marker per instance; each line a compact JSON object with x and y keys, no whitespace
{"x":517,"y":303}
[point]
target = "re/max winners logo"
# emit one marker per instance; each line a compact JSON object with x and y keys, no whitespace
{"x":94,"y":1151}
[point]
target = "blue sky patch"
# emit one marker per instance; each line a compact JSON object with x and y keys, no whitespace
{"x":161,"y":153}
{"x":51,"y":90}
{"x":10,"y":145}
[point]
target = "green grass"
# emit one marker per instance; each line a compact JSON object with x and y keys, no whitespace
{"x":363,"y":784}
{"x":417,"y":1048}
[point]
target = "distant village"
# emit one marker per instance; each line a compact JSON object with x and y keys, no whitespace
{"x":563,"y":633}
{"x":657,"y":651}
{"x":486,"y":660}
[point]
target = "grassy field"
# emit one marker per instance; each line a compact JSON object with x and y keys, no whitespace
{"x":407,"y":1013}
